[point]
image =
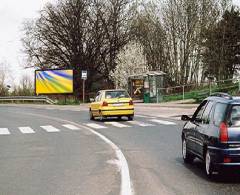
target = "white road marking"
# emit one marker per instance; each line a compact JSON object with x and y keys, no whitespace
{"x":143,"y":116}
{"x":4,"y":131}
{"x":71,"y":127}
{"x":50,"y":129}
{"x":115,"y":162}
{"x":95,"y":126}
{"x":126,"y":187}
{"x":117,"y":124}
{"x":142,"y":124}
{"x":162,"y":122}
{"x":26,"y":130}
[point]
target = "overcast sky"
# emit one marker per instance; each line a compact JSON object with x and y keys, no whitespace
{"x":12,"y":15}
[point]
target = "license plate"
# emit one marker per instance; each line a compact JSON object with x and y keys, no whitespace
{"x":117,"y":104}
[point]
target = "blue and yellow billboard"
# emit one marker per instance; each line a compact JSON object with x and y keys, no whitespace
{"x":53,"y":81}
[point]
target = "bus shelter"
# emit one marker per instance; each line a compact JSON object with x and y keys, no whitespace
{"x":145,"y":87}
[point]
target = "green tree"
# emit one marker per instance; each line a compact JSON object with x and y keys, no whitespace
{"x":222,"y":47}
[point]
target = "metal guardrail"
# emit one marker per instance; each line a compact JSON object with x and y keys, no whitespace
{"x":208,"y":87}
{"x":27,"y":99}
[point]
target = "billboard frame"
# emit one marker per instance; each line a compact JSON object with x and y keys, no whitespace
{"x":35,"y":82}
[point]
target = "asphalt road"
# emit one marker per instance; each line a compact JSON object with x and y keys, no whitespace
{"x":45,"y":151}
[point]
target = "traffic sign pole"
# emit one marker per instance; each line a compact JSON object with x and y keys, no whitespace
{"x":83,"y":90}
{"x":84,"y":78}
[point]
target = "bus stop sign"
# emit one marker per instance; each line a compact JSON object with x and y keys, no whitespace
{"x":84,"y":74}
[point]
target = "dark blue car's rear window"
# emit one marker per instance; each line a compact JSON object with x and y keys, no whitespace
{"x":219,"y":113}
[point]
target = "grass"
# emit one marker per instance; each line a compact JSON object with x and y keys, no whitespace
{"x":68,"y":102}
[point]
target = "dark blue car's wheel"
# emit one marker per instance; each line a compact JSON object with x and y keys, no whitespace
{"x":187,"y":157}
{"x":208,"y":164}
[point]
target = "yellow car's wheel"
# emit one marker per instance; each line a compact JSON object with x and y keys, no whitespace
{"x":91,"y":115}
{"x":130,"y":118}
{"x":101,"y":117}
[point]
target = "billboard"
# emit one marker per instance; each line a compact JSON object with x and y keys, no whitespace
{"x":53,"y":81}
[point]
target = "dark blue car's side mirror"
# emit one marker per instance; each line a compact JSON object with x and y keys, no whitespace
{"x":185,"y":118}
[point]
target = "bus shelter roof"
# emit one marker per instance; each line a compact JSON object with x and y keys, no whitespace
{"x":149,"y":73}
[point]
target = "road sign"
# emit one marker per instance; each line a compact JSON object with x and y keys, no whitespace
{"x":84,"y":78}
{"x":84,"y":74}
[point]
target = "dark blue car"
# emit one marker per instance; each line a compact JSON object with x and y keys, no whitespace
{"x":213,"y":133}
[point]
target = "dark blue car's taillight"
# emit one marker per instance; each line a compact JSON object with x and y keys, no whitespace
{"x":223,"y":132}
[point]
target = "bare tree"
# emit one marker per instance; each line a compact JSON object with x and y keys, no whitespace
{"x":148,"y":30}
{"x":185,"y":22}
{"x":130,"y":60}
{"x":24,"y":88}
{"x":89,"y":34}
{"x":3,"y":77}
{"x":2,"y":83}
{"x":171,"y":33}
{"x":79,"y":34}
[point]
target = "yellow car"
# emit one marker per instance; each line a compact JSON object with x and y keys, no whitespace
{"x":111,"y":103}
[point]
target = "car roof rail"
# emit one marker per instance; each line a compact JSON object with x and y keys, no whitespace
{"x":222,"y":95}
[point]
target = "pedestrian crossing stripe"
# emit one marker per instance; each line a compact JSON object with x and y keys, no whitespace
{"x":162,"y":122}
{"x":147,"y":117}
{"x":116,"y":124}
{"x":50,"y":129}
{"x":95,"y":126}
{"x":26,"y":130}
{"x":71,"y":127}
{"x":4,"y":131}
{"x":141,"y":124}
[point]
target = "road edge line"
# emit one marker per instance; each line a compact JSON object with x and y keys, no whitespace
{"x":126,"y":187}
